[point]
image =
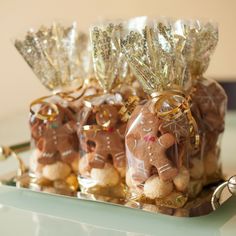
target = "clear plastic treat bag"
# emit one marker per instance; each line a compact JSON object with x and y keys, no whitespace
{"x":161,"y":133}
{"x":102,"y":120}
{"x":209,"y":100}
{"x":59,"y":57}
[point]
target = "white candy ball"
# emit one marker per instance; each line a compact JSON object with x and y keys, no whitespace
{"x":105,"y":177}
{"x":154,"y":187}
{"x":57,"y":170}
{"x":181,"y":181}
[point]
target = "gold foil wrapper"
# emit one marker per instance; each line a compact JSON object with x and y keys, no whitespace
{"x":202,"y":38}
{"x":58,"y":55}
{"x":110,"y":67}
{"x":156,"y":55}
{"x":162,"y":53}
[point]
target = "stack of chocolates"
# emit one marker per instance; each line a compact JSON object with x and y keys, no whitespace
{"x":131,"y":116}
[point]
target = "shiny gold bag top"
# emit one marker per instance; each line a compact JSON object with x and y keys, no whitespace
{"x":202,"y":38}
{"x":58,"y":55}
{"x":156,"y":55}
{"x":108,"y":62}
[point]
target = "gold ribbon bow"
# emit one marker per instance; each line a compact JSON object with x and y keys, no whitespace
{"x":128,"y":107}
{"x":179,"y":105}
{"x":49,"y":115}
{"x":54,"y":111}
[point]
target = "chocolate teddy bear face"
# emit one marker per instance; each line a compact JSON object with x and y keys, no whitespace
{"x":146,"y":146}
{"x":107,"y":114}
{"x":146,"y":122}
{"x":149,"y":124}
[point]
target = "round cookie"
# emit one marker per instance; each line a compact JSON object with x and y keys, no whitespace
{"x":154,"y":187}
{"x":106,"y":177}
{"x":56,"y":171}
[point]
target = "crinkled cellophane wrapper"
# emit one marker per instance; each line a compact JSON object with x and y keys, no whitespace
{"x":60,"y":58}
{"x":102,"y":124}
{"x":209,"y":100}
{"x":168,"y":151}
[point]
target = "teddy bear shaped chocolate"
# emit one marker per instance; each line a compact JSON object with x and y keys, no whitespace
{"x":56,"y":138}
{"x":148,"y":146}
{"x":154,"y":169}
{"x":107,"y":136}
{"x":211,"y":100}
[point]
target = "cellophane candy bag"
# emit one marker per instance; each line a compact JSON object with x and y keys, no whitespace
{"x":59,"y":56}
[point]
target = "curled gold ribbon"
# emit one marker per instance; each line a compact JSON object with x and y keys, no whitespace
{"x":40,"y":101}
{"x":96,"y":128}
{"x":68,"y":95}
{"x":179,"y":108}
{"x":88,"y":100}
{"x":6,"y":152}
{"x":88,"y":103}
{"x":128,"y":107}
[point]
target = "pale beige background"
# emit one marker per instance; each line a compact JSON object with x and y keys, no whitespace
{"x":19,"y":85}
